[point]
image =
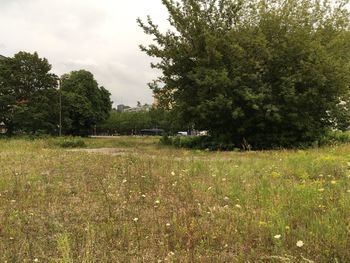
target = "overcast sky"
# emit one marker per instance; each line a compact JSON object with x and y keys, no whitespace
{"x":98,"y":35}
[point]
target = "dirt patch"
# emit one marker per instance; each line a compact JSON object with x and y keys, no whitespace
{"x":109,"y":151}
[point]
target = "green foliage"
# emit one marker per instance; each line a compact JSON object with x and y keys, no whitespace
{"x":84,"y":103}
{"x":132,"y":122}
{"x":335,"y":137}
{"x":28,"y":98}
{"x":126,"y":122}
{"x":198,"y":142}
{"x":69,"y":142}
{"x":265,"y":73}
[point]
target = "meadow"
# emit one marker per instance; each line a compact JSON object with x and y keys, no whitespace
{"x":130,"y":199}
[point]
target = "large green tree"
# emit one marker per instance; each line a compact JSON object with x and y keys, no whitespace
{"x":28,"y":95}
{"x":263,"y":72}
{"x":84,"y":103}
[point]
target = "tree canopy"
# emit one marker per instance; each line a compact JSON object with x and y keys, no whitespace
{"x":28,"y":100}
{"x":84,"y":103}
{"x":261,"y":72}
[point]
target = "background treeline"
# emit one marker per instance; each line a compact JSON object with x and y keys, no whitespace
{"x":31,"y":99}
{"x":131,"y":123}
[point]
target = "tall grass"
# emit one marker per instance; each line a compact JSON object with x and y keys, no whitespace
{"x":169,"y":205}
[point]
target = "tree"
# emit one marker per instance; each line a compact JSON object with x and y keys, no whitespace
{"x":267,"y":73}
{"x":84,"y":103}
{"x":28,"y":98}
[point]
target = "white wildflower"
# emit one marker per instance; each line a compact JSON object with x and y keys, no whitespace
{"x":300,"y":243}
{"x":277,"y":236}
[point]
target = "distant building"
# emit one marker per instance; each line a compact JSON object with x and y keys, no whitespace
{"x":122,"y":107}
{"x":145,"y":107}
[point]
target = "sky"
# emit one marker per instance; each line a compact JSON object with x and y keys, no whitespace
{"x":101,"y":36}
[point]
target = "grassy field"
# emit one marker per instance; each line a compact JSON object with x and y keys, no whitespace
{"x":141,"y":202}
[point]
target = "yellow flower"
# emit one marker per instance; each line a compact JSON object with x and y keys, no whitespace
{"x":262,"y":223}
{"x":276,"y":174}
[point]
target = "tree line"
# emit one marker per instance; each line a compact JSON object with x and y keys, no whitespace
{"x":33,"y":100}
{"x":264,"y":73}
{"x":131,"y":123}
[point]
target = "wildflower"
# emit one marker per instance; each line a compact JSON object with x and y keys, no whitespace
{"x":173,"y":173}
{"x":168,"y":224}
{"x":157,"y":202}
{"x":135,"y":219}
{"x":287,"y":228}
{"x":171,"y":254}
{"x":277,"y":236}
{"x":333,"y":182}
{"x":209,"y":188}
{"x":224,"y":179}
{"x":226,"y":198}
{"x":143,"y":196}
{"x":124,"y":181}
{"x":36,"y":260}
{"x":238,"y":206}
{"x":262,"y":223}
{"x":348,"y":191}
{"x":214,"y":175}
{"x":13,"y":201}
{"x":321,"y":190}
{"x":300,"y":243}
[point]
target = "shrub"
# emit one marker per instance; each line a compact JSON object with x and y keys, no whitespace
{"x":198,"y":142}
{"x":70,"y":142}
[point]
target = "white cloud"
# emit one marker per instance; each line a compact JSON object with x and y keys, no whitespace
{"x":98,"y":35}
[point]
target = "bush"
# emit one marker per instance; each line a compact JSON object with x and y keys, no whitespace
{"x":335,"y":137}
{"x":70,"y":142}
{"x":222,"y":144}
{"x":198,"y":142}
